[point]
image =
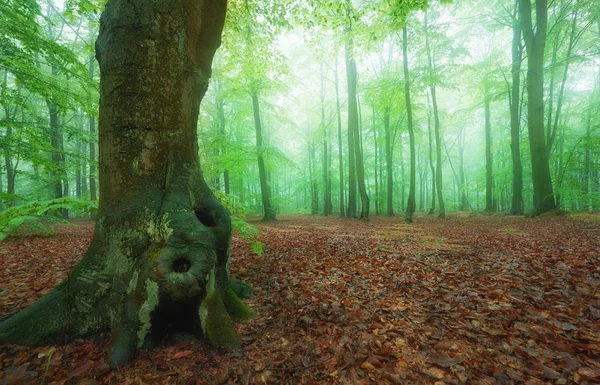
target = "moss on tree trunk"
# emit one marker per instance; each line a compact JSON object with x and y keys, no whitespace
{"x":158,"y":259}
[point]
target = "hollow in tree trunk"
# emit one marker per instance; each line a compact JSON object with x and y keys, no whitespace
{"x":158,"y":258}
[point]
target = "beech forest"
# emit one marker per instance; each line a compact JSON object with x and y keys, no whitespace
{"x":300,"y":192}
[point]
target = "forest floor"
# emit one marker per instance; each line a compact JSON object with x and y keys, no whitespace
{"x":465,"y":300}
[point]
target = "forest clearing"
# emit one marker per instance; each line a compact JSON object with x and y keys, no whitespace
{"x":471,"y":299}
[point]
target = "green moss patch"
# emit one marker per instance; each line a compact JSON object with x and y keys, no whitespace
{"x":236,"y":308}
{"x":216,"y":324}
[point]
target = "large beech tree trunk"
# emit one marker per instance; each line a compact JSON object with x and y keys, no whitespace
{"x":158,"y":258}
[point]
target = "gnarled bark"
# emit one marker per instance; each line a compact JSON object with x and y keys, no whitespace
{"x":158,"y":258}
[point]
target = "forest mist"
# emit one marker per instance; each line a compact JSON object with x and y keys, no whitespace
{"x":279,"y":96}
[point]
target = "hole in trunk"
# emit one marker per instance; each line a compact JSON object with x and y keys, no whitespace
{"x":174,"y":319}
{"x":181,"y":265}
{"x":206,"y":219}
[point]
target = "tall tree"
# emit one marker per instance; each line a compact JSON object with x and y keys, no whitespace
{"x":516,"y":207}
{"x":411,"y":204}
{"x":340,"y":145}
{"x":436,"y":122}
{"x":327,"y":205}
{"x":489,"y":155}
{"x":535,"y":43}
{"x":158,"y":259}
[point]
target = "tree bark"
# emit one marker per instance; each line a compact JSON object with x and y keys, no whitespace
{"x":353,"y":141}
{"x":561,"y":92}
{"x":327,"y":206}
{"x":389,"y":165}
{"x":376,"y":147}
{"x":340,"y":149}
{"x":158,"y":258}
{"x":268,"y":209}
{"x":314,"y":198}
{"x":436,"y":121}
{"x":353,"y":123}
{"x":431,"y":166}
{"x":93,"y":138}
{"x":515,"y":118}
{"x":543,"y":197}
{"x":411,"y":204}
{"x":489,"y":155}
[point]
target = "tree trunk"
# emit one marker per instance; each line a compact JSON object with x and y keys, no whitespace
{"x":269,"y":211}
{"x":327,"y":206}
{"x":158,"y":258}
{"x":353,"y":124}
{"x":93,"y":138}
{"x":431,"y":166}
{"x":515,"y":119}
{"x":436,"y":121}
{"x":221,"y":123}
{"x":314,"y":198}
{"x":389,"y":165}
{"x":561,"y":92}
{"x":411,"y":204}
{"x":352,"y":133}
{"x":376,"y":147}
{"x":55,"y":142}
{"x":489,"y":156}
{"x":340,"y":150}
{"x":543,"y":197}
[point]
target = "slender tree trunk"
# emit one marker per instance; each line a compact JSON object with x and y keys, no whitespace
{"x":269,"y":211}
{"x":543,"y":196}
{"x":56,"y":157}
{"x":8,"y":161}
{"x":411,"y":204}
{"x":560,"y":165}
{"x":1,"y":191}
{"x":79,"y":167}
{"x":515,"y":118}
{"x":432,"y":167}
{"x":93,"y":138}
{"x":340,"y":149}
{"x":353,"y":139}
{"x":221,"y":123}
{"x":561,"y":92}
{"x":489,"y":156}
{"x":436,"y":120}
{"x":327,"y":206}
{"x":376,"y":147}
{"x":358,"y":152}
{"x":314,"y":198}
{"x":550,"y":100}
{"x":389,"y":166}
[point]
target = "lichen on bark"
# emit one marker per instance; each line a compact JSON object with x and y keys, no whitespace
{"x":158,"y":259}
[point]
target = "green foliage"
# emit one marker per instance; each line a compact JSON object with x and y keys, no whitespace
{"x":238,"y":222}
{"x":247,"y":231}
{"x":40,"y":214}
